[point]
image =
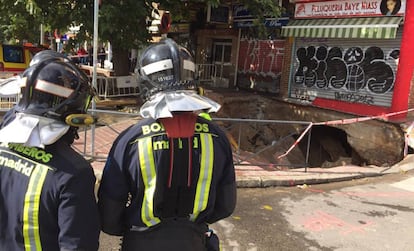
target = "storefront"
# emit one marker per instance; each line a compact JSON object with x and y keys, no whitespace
{"x":346,"y":56}
{"x":234,"y":54}
{"x":260,"y":61}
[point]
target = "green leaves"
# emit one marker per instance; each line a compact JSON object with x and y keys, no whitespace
{"x":16,"y":22}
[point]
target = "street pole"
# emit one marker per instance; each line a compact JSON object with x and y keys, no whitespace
{"x":42,"y":35}
{"x":95,"y":59}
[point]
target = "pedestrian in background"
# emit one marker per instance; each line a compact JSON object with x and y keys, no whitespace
{"x":47,"y":199}
{"x":82,"y":54}
{"x":171,"y":174}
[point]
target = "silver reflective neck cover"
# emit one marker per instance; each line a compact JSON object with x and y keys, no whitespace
{"x":162,"y":104}
{"x":31,"y":130}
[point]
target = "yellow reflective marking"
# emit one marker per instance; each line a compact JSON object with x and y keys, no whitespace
{"x":205,"y":176}
{"x":31,"y":208}
{"x":147,"y":166}
{"x":205,"y":115}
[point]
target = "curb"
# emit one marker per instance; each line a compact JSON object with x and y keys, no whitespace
{"x":313,"y":176}
{"x":262,"y":182}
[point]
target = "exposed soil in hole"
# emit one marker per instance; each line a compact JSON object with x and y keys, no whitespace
{"x":328,"y":147}
{"x":373,"y":142}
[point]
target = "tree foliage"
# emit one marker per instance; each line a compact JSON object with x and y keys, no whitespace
{"x":262,"y":9}
{"x":16,"y":24}
{"x":121,"y":22}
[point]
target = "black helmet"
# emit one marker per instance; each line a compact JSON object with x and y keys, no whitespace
{"x":48,"y":54}
{"x":54,"y":55}
{"x":166,"y":66}
{"x":54,"y":88}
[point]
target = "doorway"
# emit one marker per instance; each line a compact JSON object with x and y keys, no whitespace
{"x":222,"y":62}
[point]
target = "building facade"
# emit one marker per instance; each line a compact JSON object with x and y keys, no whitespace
{"x":323,"y":61}
{"x":351,"y":56}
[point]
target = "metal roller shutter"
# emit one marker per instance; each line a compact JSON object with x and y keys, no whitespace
{"x":349,"y":70}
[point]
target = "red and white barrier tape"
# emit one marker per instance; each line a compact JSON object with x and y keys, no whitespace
{"x":360,"y":119}
{"x":297,"y":141}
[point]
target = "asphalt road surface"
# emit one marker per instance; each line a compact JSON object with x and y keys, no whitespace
{"x":366,"y":214}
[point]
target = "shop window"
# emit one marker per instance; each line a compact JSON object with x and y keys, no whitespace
{"x":13,"y":54}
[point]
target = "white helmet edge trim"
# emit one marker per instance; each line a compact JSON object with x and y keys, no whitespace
{"x":157,"y":66}
{"x":52,"y":88}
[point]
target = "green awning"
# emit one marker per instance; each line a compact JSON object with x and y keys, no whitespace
{"x":368,"y":27}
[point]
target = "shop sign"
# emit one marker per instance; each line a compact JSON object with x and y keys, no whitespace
{"x":243,"y":19}
{"x":241,"y":12}
{"x":350,"y":8}
{"x":268,"y":22}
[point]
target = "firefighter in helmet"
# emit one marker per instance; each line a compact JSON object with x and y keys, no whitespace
{"x":47,"y":199}
{"x":171,"y":174}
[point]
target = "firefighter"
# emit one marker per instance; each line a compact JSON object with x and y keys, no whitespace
{"x":171,"y":174}
{"x":47,"y":199}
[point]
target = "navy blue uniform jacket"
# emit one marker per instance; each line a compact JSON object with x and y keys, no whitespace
{"x":46,"y":199}
{"x":149,"y":177}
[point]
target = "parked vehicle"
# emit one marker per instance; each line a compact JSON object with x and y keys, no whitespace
{"x":14,"y":59}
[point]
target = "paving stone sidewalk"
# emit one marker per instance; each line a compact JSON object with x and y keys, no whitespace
{"x":246,"y":175}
